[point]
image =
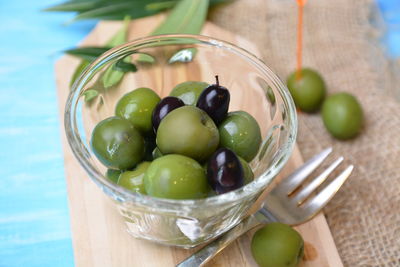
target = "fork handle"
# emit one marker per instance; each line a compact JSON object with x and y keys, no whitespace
{"x":205,"y":254}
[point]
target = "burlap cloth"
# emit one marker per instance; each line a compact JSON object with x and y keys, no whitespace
{"x":339,"y":42}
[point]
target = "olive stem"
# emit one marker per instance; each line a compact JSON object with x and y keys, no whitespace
{"x":216,"y":78}
{"x":299,"y":51}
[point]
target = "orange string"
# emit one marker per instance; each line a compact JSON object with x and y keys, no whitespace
{"x":300,"y":4}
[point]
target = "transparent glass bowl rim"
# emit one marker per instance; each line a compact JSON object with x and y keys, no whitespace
{"x":122,"y":194}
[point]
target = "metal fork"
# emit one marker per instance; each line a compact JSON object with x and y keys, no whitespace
{"x":288,"y":203}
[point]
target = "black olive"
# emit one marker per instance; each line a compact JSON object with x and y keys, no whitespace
{"x":224,"y":171}
{"x":214,"y":100}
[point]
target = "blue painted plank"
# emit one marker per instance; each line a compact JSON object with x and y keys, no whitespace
{"x":391,"y":14}
{"x":34,"y":219}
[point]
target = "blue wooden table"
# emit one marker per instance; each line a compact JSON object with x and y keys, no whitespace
{"x":34,"y":219}
{"x":390,"y":10}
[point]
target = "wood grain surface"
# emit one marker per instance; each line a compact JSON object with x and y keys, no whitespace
{"x":99,"y":233}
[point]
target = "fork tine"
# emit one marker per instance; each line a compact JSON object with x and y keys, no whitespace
{"x":307,"y":190}
{"x":299,"y":175}
{"x":319,"y":201}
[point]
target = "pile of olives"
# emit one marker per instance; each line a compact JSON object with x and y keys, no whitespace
{"x":184,"y":146}
{"x":341,"y":112}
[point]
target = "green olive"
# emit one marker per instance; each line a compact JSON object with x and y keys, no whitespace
{"x":117,"y":144}
{"x":309,"y":91}
{"x":176,"y":177}
{"x":342,"y":115}
{"x":277,"y":245}
{"x":189,"y":91}
{"x":188,"y":131}
{"x":113,"y":175}
{"x":137,"y":107}
{"x":247,"y":171}
{"x":133,"y":180}
{"x":241,"y":133}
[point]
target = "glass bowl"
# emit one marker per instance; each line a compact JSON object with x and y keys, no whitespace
{"x":162,"y":62}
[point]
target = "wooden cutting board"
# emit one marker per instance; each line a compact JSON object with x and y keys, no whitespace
{"x":98,"y":232}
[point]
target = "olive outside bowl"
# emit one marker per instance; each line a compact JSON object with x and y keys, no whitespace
{"x":163,"y":62}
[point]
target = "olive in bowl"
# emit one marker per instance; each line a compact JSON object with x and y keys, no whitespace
{"x":241,"y":133}
{"x":189,"y":91}
{"x":137,"y":106}
{"x":117,"y":144}
{"x":176,"y":177}
{"x":188,"y":131}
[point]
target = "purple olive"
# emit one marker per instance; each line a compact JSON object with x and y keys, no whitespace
{"x":214,"y":100}
{"x":224,"y":171}
{"x":165,"y":106}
